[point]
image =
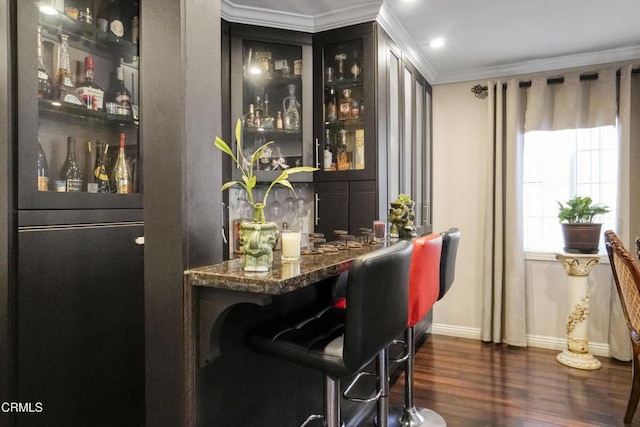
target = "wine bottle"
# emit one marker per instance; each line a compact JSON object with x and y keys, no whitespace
{"x":122,"y":171}
{"x":43,"y":169}
{"x":90,"y":92}
{"x":120,"y":94}
{"x":45,"y":85}
{"x":114,"y":15}
{"x":102,"y":19}
{"x":100,"y":171}
{"x":70,"y":171}
{"x":135,"y":22}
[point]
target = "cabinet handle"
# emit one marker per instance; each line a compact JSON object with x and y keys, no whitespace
{"x":224,"y":221}
{"x":139,"y":240}
{"x":317,"y":155}
{"x":316,"y":209}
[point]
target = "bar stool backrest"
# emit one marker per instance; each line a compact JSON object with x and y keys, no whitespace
{"x":377,"y":295}
{"x":450,"y":241}
{"x":424,"y":277}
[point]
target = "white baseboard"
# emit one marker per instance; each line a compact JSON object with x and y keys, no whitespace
{"x":551,"y":343}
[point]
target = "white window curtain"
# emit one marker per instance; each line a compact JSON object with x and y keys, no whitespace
{"x":575,"y":103}
{"x":503,"y":294}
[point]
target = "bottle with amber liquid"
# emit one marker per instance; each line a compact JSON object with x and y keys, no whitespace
{"x":90,"y":92}
{"x":122,"y":171}
{"x":45,"y":86}
{"x":43,"y":169}
{"x":344,"y":105}
{"x":70,"y":171}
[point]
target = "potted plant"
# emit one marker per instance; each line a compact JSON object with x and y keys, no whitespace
{"x":401,"y":217}
{"x":581,"y":234}
{"x":257,"y":238}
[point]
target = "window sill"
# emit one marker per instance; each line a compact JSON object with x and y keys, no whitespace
{"x":551,"y":256}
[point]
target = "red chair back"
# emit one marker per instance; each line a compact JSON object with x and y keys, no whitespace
{"x":424,"y":276}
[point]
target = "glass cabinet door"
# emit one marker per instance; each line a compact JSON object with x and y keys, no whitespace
{"x":344,"y":106}
{"x":345,"y":97}
{"x":273,"y":103}
{"x":78,"y":106}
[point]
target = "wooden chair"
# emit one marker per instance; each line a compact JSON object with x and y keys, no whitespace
{"x":626,"y":274}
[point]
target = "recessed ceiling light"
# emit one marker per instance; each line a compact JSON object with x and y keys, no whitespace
{"x":437,"y":42}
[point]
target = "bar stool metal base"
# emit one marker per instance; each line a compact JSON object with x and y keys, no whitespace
{"x":414,"y":417}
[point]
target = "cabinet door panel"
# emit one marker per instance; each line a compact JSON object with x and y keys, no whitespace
{"x":362,"y":205}
{"x":81,"y":325}
{"x":333,"y":208}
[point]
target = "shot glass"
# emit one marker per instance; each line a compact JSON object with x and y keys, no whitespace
{"x":379,"y":231}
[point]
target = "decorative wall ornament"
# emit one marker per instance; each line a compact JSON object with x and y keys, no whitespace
{"x":480,"y":91}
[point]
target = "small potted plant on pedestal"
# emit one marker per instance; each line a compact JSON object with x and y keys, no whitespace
{"x":258,"y":237}
{"x":581,"y":234}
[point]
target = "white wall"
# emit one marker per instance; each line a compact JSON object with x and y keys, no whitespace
{"x":461,"y":155}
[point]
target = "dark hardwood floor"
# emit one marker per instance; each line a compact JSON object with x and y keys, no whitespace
{"x":471,"y":383}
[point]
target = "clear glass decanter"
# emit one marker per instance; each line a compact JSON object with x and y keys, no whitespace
{"x":291,"y":108}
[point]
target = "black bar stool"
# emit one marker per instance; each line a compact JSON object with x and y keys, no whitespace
{"x":424,"y":288}
{"x":429,"y":284}
{"x":340,"y":342}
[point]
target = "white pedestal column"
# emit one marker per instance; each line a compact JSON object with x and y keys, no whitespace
{"x":577,"y":353}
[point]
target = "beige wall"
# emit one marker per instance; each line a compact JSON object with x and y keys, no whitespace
{"x":461,"y":155}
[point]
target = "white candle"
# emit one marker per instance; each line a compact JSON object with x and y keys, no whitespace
{"x":291,"y":244}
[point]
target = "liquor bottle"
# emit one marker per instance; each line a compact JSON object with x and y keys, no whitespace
{"x":114,"y":15}
{"x":102,"y":17}
{"x":43,"y":169}
{"x":90,"y":92}
{"x":120,"y":95}
{"x":355,"y":109}
{"x":100,"y":171}
{"x":45,"y":85}
{"x":342,"y":154}
{"x":122,"y":171}
{"x":279,"y":124}
{"x":64,"y":89}
{"x":70,"y":171}
{"x":249,"y":118}
{"x":356,"y":71}
{"x":135,"y":22}
{"x":328,"y":155}
{"x":331,"y":107}
{"x":85,"y":11}
{"x":341,"y":58}
{"x":268,"y":122}
{"x":71,"y":9}
{"x":344,"y":105}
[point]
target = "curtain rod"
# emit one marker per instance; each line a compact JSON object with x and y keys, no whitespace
{"x":586,"y":76}
{"x":481,"y":91}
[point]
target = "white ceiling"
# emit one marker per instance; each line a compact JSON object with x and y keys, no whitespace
{"x":485,"y":39}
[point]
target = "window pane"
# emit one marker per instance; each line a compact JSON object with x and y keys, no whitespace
{"x":559,"y":165}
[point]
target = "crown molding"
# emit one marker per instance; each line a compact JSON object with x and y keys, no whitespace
{"x":393,"y":27}
{"x":540,"y":65}
{"x":299,"y":22}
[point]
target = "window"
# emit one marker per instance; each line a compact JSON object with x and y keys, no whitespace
{"x":559,"y":165}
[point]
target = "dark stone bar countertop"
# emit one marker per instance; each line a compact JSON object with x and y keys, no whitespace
{"x":283,"y":278}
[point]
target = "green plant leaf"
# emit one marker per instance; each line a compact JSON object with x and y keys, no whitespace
{"x":238,"y":130}
{"x":222,"y":146}
{"x":301,"y":169}
{"x":287,"y":184}
{"x":228,"y":185}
